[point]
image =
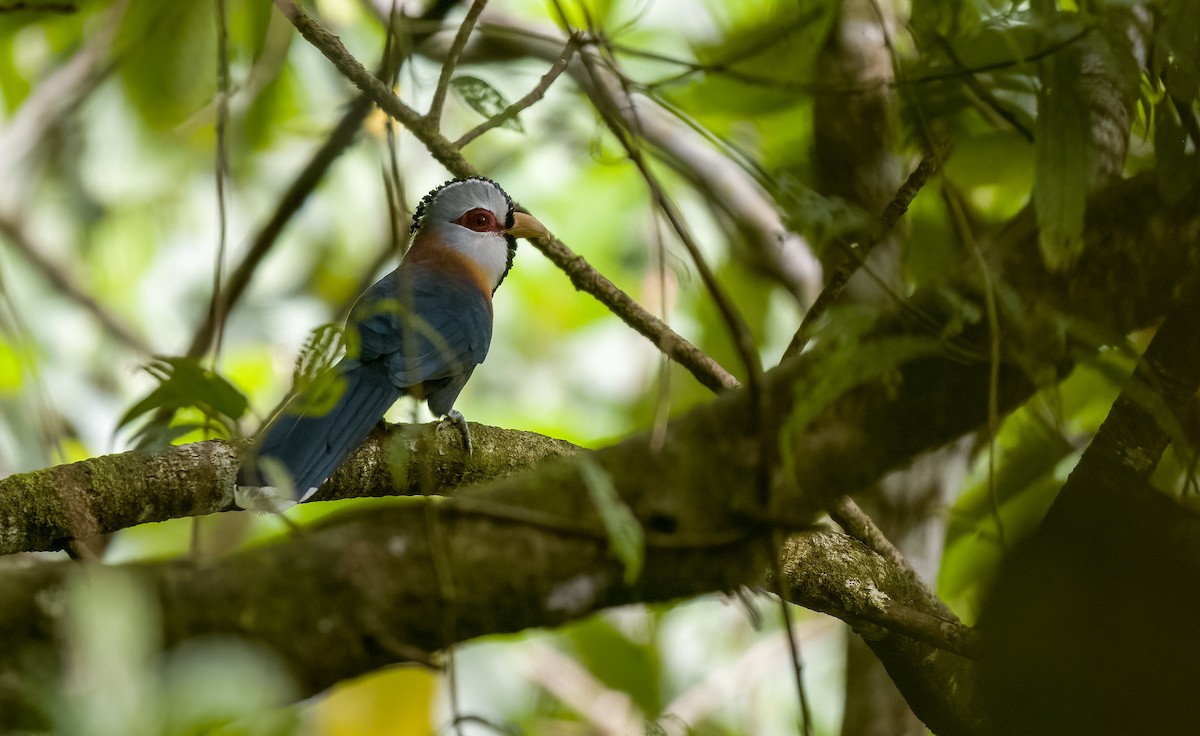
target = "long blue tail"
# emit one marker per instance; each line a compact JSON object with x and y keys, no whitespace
{"x":312,"y":447}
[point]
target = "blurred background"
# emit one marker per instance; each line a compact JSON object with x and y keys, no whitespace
{"x":776,"y":127}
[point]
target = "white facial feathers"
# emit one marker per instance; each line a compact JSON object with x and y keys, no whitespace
{"x":452,"y":200}
{"x":438,"y":215}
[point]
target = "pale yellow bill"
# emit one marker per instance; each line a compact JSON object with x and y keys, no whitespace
{"x":527,"y":226}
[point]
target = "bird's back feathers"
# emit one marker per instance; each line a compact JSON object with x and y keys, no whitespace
{"x":421,"y":329}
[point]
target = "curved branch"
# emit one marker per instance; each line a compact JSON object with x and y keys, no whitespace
{"x":365,"y":589}
{"x":726,"y":185}
{"x":65,"y":283}
{"x":582,"y":274}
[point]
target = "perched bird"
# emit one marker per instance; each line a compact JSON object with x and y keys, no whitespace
{"x":420,"y":331}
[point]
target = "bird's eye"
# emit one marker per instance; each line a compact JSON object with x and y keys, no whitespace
{"x":480,"y":220}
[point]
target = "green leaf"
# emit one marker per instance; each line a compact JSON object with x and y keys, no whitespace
{"x":1062,"y":164}
{"x":316,"y":386}
{"x":625,"y":535}
{"x":632,"y":665}
{"x":484,"y":99}
{"x":849,"y":358}
{"x":185,"y":383}
{"x":168,"y":59}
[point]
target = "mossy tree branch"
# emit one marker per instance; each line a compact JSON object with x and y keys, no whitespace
{"x":47,"y":509}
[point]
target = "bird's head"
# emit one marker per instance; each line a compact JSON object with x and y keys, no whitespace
{"x":476,"y":218}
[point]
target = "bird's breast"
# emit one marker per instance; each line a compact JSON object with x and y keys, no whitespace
{"x":428,"y":258}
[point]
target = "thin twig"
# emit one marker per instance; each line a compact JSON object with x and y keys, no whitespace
{"x":332,"y":48}
{"x":819,"y":88}
{"x":62,"y":280}
{"x":949,"y":636}
{"x":929,"y":166}
{"x":958,"y":218}
{"x":738,"y":329}
{"x":785,"y":611}
{"x":585,"y":278}
{"x":221,"y":165}
{"x":313,"y":172}
{"x":434,"y":116}
{"x":662,"y":402}
{"x":984,"y":94}
{"x":536,"y":94}
{"x":305,"y":182}
{"x":582,"y":274}
{"x":739,"y":190}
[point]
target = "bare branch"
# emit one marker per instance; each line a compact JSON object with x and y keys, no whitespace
{"x":221,"y":172}
{"x":264,"y":240}
{"x":372,"y":573}
{"x":581,"y":273}
{"x":739,"y":331}
{"x":856,"y":254}
{"x":517,"y":107}
{"x":434,"y":116}
{"x":862,"y":527}
{"x":63,"y":281}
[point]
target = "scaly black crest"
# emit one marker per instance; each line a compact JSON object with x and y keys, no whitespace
{"x":424,"y":203}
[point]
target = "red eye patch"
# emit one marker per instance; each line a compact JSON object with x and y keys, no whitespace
{"x":480,"y":220}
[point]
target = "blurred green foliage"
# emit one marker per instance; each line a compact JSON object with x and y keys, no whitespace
{"x":110,"y":170}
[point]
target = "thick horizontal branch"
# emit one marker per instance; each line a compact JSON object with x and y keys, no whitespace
{"x":1139,"y":250}
{"x":390,"y":584}
{"x":47,"y":509}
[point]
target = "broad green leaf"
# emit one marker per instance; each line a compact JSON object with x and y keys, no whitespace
{"x":848,"y":358}
{"x":1062,"y":164}
{"x":631,"y":665}
{"x":625,"y":535}
{"x":484,"y":99}
{"x":184,"y":383}
{"x":168,"y":55}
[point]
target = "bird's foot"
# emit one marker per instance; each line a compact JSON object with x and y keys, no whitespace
{"x":456,"y":418}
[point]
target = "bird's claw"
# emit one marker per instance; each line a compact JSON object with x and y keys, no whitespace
{"x":456,"y":418}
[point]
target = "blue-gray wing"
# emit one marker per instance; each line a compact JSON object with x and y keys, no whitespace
{"x":425,"y":326}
